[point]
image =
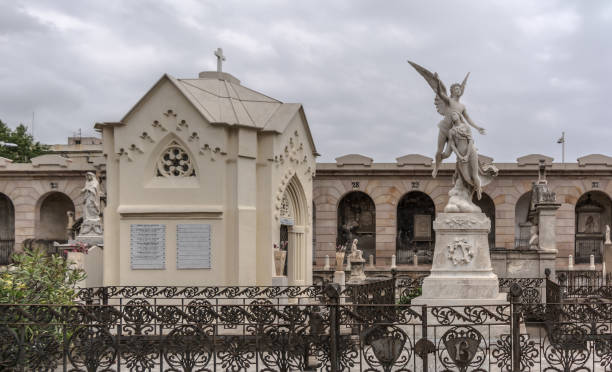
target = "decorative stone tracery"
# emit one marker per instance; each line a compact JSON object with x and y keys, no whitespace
{"x":175,"y":162}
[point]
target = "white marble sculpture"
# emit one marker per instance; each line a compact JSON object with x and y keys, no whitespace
{"x":608,"y":235}
{"x":461,"y":271}
{"x":92,"y":224}
{"x":356,"y":253}
{"x":455,"y":136}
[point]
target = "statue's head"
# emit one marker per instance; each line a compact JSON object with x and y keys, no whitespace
{"x":90,"y":176}
{"x":456,"y":90}
{"x":456,"y":119}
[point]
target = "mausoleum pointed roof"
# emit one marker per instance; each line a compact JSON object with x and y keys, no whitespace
{"x":222,"y":100}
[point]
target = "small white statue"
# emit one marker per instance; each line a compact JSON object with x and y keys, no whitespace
{"x":92,"y":225}
{"x":608,"y":235}
{"x":91,"y":207}
{"x":356,"y":253}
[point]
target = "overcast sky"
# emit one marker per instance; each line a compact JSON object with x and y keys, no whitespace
{"x":537,"y":67}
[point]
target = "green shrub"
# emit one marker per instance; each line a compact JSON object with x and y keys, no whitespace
{"x":37,"y":278}
{"x":412,"y":293}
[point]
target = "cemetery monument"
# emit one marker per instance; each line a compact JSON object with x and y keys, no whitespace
{"x":461,"y":271}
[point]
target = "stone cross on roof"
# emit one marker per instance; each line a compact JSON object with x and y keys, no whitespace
{"x":220,"y":59}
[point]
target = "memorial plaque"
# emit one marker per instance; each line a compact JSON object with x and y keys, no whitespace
{"x":193,"y":246}
{"x":148,"y":246}
{"x":422,"y":227}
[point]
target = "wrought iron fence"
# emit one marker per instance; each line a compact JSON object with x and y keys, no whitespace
{"x":325,"y":336}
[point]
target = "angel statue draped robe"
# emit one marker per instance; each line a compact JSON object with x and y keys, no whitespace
{"x":455,"y":136}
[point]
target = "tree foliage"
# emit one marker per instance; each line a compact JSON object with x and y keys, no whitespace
{"x":26,"y":148}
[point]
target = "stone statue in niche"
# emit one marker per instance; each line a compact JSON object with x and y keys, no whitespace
{"x":608,"y":235}
{"x":455,"y":135}
{"x":92,"y":224}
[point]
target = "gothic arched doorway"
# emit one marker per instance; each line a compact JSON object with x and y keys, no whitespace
{"x":357,"y":220}
{"x":415,"y":215}
{"x":7,"y":229}
{"x":488,"y":208}
{"x":52,"y":221}
{"x":593,"y":213}
{"x":293,"y":233}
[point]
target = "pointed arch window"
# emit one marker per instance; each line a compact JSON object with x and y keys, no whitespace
{"x":175,"y":162}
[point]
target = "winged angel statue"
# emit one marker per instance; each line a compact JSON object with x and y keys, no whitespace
{"x":455,"y":135}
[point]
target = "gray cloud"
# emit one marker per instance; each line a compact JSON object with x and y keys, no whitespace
{"x":538,"y":68}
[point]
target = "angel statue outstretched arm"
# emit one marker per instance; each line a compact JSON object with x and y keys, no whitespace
{"x":445,"y":105}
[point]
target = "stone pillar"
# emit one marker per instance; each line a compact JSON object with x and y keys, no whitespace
{"x":570,"y":262}
{"x":592,"y":262}
{"x":111,"y":253}
{"x":393,"y":265}
{"x":607,"y":257}
{"x":547,"y":222}
{"x":326,"y":267}
{"x":243,"y":217}
{"x":297,"y":256}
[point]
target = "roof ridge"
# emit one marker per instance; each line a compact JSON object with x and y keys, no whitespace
{"x":242,"y":104}
{"x":254,"y":91}
{"x":231,"y":100}
{"x":185,"y":81}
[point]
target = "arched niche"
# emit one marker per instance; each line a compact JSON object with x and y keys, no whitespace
{"x":522,"y":226}
{"x":416,"y":212}
{"x":487,"y":206}
{"x":593,"y":212}
{"x":357,"y":220}
{"x":52,"y":221}
{"x":7,"y":229}
{"x":293,"y":227}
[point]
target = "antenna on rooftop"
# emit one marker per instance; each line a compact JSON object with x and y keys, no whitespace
{"x":562,"y":142}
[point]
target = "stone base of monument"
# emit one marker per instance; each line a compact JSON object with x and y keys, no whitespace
{"x":90,"y":239}
{"x":461,"y":272}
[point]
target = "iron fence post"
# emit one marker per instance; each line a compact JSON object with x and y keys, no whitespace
{"x":515,"y":316}
{"x":424,"y":336}
{"x":332,"y":292}
{"x":394,"y":278}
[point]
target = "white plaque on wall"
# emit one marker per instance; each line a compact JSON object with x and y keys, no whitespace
{"x":193,"y":246}
{"x":148,"y":246}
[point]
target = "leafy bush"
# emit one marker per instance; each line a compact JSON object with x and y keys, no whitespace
{"x":37,"y":278}
{"x":411,"y":293}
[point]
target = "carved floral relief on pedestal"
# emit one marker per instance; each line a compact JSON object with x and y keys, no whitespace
{"x":460,"y":252}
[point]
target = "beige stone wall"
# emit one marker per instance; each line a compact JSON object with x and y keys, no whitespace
{"x":27,"y":192}
{"x":387,"y":183}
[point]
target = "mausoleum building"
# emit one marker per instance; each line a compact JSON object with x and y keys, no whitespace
{"x":204,"y":177}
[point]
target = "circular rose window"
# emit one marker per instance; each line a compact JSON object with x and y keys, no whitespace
{"x":175,"y":162}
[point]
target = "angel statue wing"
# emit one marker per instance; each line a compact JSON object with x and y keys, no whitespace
{"x":433,"y":81}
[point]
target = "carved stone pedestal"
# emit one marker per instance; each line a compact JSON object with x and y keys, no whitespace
{"x":357,"y":271}
{"x":461,"y":272}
